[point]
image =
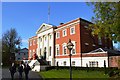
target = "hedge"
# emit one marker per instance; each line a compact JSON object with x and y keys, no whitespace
{"x":83,"y":68}
{"x":111,"y":71}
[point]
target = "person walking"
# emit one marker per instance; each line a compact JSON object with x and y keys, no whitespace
{"x":12,"y":70}
{"x":26,"y":70}
{"x":20,"y":70}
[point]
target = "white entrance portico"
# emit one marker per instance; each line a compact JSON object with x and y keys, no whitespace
{"x":45,"y":35}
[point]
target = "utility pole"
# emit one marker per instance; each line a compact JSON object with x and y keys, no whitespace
{"x":49,"y":13}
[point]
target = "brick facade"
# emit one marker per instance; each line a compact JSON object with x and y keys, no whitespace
{"x":83,"y":38}
{"x":83,"y":41}
{"x":32,"y":47}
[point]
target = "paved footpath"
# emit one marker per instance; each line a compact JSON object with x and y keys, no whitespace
{"x":32,"y":75}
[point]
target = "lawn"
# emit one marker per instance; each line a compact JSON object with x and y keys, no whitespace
{"x":64,"y":73}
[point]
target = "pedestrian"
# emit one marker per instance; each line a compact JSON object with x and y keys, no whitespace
{"x":12,"y":70}
{"x":20,"y":70}
{"x":26,"y":70}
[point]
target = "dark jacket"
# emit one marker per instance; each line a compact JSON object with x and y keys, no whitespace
{"x":27,"y":69}
{"x":12,"y":69}
{"x":20,"y":69}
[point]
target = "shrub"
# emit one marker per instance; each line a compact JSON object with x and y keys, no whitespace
{"x":84,"y":68}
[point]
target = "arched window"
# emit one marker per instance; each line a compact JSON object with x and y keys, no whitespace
{"x":64,"y":49}
{"x":57,"y":49}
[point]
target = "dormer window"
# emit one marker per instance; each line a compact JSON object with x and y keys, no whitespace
{"x":86,"y":44}
{"x":93,"y":45}
{"x":86,"y":27}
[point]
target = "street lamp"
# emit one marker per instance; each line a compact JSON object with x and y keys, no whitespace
{"x":70,"y":47}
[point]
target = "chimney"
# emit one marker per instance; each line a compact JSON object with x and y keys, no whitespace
{"x":61,"y":23}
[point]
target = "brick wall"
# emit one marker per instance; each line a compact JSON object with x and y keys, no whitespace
{"x":32,"y":47}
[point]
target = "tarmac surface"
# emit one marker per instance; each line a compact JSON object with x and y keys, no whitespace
{"x":32,"y":75}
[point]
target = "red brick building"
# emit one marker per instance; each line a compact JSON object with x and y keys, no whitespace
{"x":83,"y":41}
{"x":32,"y":47}
{"x":57,"y":37}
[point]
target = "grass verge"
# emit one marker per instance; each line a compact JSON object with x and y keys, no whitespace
{"x":64,"y":73}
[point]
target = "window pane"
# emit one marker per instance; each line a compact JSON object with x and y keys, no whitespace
{"x":57,"y":34}
{"x":50,"y":36}
{"x":64,"y":50}
{"x":73,"y":63}
{"x":57,"y":51}
{"x":50,"y":51}
{"x":64,"y":63}
{"x":73,"y":51}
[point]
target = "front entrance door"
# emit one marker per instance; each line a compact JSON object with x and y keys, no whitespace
{"x":44,"y":53}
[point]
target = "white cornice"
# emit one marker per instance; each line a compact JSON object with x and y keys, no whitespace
{"x":67,"y":25}
{"x":43,"y":31}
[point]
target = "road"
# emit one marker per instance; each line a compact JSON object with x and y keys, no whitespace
{"x":32,"y":75}
{"x":0,"y":73}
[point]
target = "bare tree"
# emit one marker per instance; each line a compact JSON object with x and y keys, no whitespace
{"x":10,"y":44}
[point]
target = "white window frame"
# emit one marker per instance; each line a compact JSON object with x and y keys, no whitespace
{"x":57,"y":35}
{"x":71,"y":30}
{"x":93,"y":63}
{"x":30,"y":54}
{"x":72,"y":63}
{"x":30,"y":42}
{"x":57,"y":47}
{"x":74,"y":47}
{"x":65,"y":32}
{"x":34,"y":42}
{"x":64,"y":45}
{"x":64,"y":63}
{"x":33,"y":50}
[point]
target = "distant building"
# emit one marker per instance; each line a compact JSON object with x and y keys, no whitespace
{"x":119,"y":46}
{"x":22,"y":55}
{"x":116,"y":45}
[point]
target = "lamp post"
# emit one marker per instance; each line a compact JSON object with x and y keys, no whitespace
{"x":70,"y":47}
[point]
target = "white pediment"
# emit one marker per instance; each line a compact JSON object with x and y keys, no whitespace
{"x":97,"y":50}
{"x":44,"y":27}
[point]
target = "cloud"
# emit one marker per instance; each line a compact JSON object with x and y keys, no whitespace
{"x":24,"y":40}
